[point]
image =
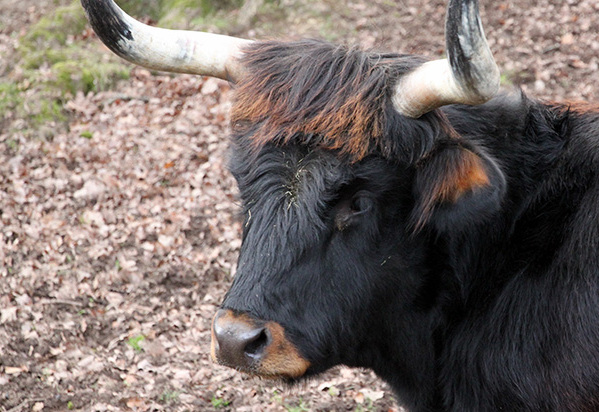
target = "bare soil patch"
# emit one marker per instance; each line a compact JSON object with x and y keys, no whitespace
{"x":118,"y":238}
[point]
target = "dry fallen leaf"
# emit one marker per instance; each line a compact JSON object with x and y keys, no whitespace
{"x":38,"y":406}
{"x":13,"y":370}
{"x":372,"y":395}
{"x":137,"y":404}
{"x":567,"y":39}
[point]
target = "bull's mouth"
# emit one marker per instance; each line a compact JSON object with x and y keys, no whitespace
{"x":255,"y":347}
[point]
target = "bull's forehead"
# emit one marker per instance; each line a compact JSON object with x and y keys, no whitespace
{"x":313,"y":176}
{"x":289,"y":176}
{"x":287,"y":192}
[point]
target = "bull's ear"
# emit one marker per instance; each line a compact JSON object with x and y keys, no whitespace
{"x":456,"y":186}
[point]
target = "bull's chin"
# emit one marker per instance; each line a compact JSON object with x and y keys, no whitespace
{"x":289,"y":373}
{"x":279,"y":377}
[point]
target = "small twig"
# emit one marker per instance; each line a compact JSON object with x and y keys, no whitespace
{"x":60,"y":302}
{"x":18,"y":407}
{"x":124,"y":98}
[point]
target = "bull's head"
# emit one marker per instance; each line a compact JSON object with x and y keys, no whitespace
{"x":347,"y":172}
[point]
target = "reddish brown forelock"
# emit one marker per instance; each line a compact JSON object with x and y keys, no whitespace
{"x":350,"y":126}
{"x":345,"y":114}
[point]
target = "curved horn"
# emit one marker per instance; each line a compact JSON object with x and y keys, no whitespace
{"x":178,"y":51}
{"x":469,"y":75}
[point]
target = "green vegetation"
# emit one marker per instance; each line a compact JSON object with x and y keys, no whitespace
{"x":86,"y":134}
{"x":10,"y":97}
{"x":169,"y":396}
{"x":57,"y":58}
{"x":507,"y":79}
{"x":53,"y":62}
{"x":55,"y":29}
{"x":193,"y":12}
{"x":300,"y":407}
{"x":219,"y":403}
{"x":364,"y":408}
{"x":135,"y":342}
{"x":333,"y":391}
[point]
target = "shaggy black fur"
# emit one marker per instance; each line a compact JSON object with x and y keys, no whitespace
{"x":455,"y":255}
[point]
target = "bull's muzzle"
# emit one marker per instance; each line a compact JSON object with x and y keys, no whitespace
{"x":254,"y":346}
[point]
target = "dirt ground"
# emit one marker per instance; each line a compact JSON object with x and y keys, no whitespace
{"x":118,"y":238}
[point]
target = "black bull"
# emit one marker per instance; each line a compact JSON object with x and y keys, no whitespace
{"x":454,"y":252}
{"x":469,"y":279}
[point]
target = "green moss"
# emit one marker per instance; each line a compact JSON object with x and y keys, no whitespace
{"x":86,"y":134}
{"x":177,"y":13}
{"x":71,"y":76}
{"x":151,"y":9}
{"x":197,"y":13}
{"x":54,"y":30}
{"x":219,"y":403}
{"x":10,"y":98}
{"x":34,"y":59}
{"x":55,"y":62}
{"x":169,"y":396}
{"x":210,"y":6}
{"x":221,"y":23}
{"x":46,"y":111}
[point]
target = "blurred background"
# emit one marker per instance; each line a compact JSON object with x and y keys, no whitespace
{"x":118,"y":220}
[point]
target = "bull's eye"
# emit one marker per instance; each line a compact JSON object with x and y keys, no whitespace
{"x":360,"y":203}
{"x":350,"y":209}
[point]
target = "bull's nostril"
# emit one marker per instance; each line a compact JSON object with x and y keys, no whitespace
{"x":239,"y":342}
{"x":255,"y":348}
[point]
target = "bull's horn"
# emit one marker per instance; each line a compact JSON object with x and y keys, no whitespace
{"x":469,"y":75}
{"x":161,"y":49}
